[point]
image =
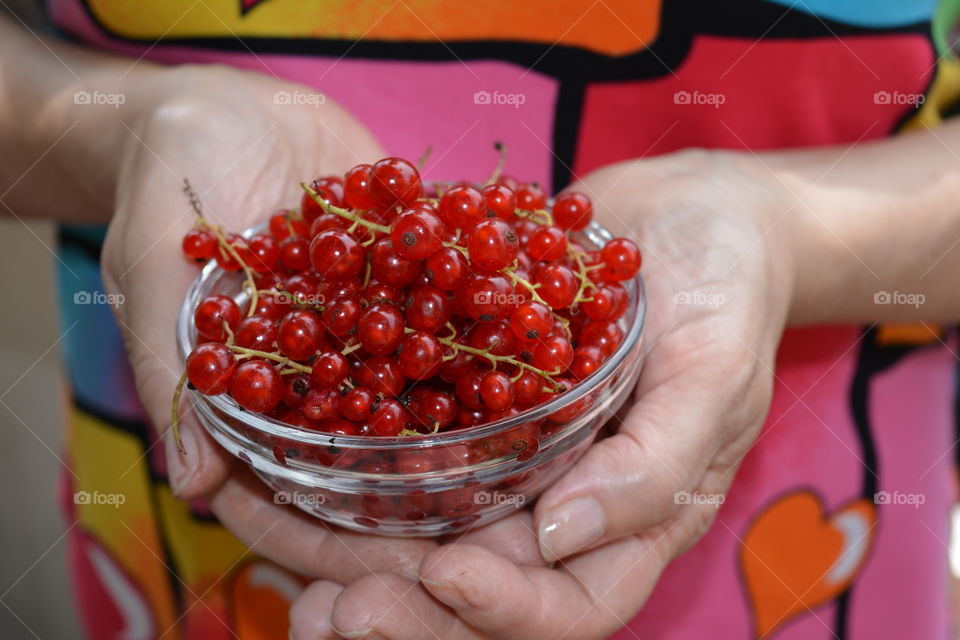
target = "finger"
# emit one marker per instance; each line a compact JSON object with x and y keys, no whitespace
{"x":311,"y":612}
{"x":512,"y":538}
{"x":304,"y":544}
{"x":387,"y":606}
{"x":630,"y":482}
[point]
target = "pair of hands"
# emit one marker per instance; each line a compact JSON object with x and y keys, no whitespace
{"x":719,"y":282}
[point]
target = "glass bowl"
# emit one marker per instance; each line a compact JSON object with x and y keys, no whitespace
{"x":415,"y":486}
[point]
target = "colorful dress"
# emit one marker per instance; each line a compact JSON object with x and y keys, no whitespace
{"x":836,"y":524}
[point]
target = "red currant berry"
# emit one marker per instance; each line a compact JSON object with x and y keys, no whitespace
{"x":420,"y":355}
{"x":428,"y":309}
{"x":336,"y":255}
{"x":295,"y":389}
{"x":381,"y":375}
{"x":377,"y":292}
{"x":340,"y":316}
{"x":586,"y":360}
{"x":271,"y":306}
{"x":380,"y":329}
{"x":321,"y":404}
{"x":329,"y":369}
{"x":493,"y":245}
{"x":389,"y":267}
{"x":264,"y":253}
{"x":572,"y":210}
{"x":468,"y":390}
{"x":496,"y":337}
{"x":329,"y":189}
{"x":462,"y":207}
{"x":621,"y":258}
{"x":212,"y":313}
{"x":199,"y":244}
{"x":528,"y":389}
{"x":295,"y":253}
{"x":447,"y":268}
{"x":285,"y":224}
{"x":604,"y":302}
{"x":500,"y":201}
{"x":558,"y":285}
{"x":531,"y":197}
{"x":531,"y":320}
{"x":389,"y":419}
{"x":356,"y":188}
{"x":437,"y":409}
{"x":394,"y":182}
{"x":256,"y":386}
{"x":257,"y":332}
{"x":416,"y":234}
{"x":209,"y":368}
{"x":603,"y":334}
{"x":497,"y":390}
{"x":548,"y":244}
{"x":300,"y":335}
{"x":487,"y":296}
{"x":553,"y":354}
{"x":356,"y":405}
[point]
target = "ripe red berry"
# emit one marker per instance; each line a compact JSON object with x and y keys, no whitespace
{"x":389,"y":267}
{"x":462,"y":207}
{"x":300,"y":335}
{"x":212,"y":313}
{"x":621,"y":258}
{"x":428,"y":309}
{"x":420,"y":355}
{"x":531,"y":197}
{"x":295,"y":253}
{"x":256,"y":386}
{"x":548,"y":244}
{"x":257,"y":332}
{"x":295,"y":389}
{"x":447,"y":268}
{"x":209,"y":368}
{"x":553,"y":354}
{"x":558,"y":285}
{"x":586,"y":360}
{"x":394,"y":182}
{"x":321,"y":404}
{"x":493,"y":245}
{"x":531,"y":320}
{"x":329,"y":369}
{"x":572,"y":210}
{"x":416,"y":234}
{"x":604,"y":302}
{"x":380,"y":329}
{"x":357,"y":404}
{"x":468,"y":390}
{"x":389,"y":419}
{"x":436,"y":409}
{"x":329,"y":189}
{"x":603,"y":334}
{"x":487,"y":296}
{"x":356,"y":187}
{"x":199,"y":244}
{"x":497,"y":390}
{"x":381,"y":374}
{"x":500,"y":201}
{"x":336,"y":255}
{"x":340,"y":316}
{"x":264,"y":253}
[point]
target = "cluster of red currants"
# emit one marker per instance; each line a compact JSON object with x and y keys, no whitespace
{"x":386,"y":307}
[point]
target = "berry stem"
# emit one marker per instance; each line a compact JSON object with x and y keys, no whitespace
{"x":175,"y":423}
{"x":529,"y":215}
{"x":275,"y":357}
{"x":532,"y":288}
{"x":501,"y":163}
{"x":343,"y":213}
{"x":581,"y":274}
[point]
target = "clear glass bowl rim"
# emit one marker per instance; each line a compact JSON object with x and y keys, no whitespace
{"x":269,"y":426}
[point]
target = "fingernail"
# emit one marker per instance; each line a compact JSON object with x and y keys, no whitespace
{"x":573,"y":525}
{"x":181,"y":466}
{"x":350,"y":635}
{"x":451,"y":594}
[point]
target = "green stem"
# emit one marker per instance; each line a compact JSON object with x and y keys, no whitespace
{"x":343,"y":213}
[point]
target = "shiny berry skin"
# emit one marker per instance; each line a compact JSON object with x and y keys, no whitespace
{"x":356,"y":187}
{"x":295,"y":389}
{"x":531,"y":320}
{"x":420,"y":355}
{"x":531,"y":197}
{"x":462,"y":207}
{"x":493,"y":336}
{"x":586,"y":360}
{"x":209,"y":368}
{"x":336,"y":255}
{"x":572,"y":211}
{"x":447,"y":268}
{"x":493,"y":245}
{"x":257,"y":332}
{"x":497,"y":390}
{"x":382,"y":375}
{"x":437,"y":408}
{"x":295,"y":253}
{"x":321,"y":404}
{"x":300,"y":335}
{"x":256,"y":386}
{"x":604,"y":302}
{"x":264,"y":253}
{"x":553,"y":354}
{"x":212,"y":313}
{"x":428,"y":309}
{"x":558,"y":285}
{"x":487,"y":296}
{"x":330,"y":190}
{"x":284,"y":225}
{"x":271,"y":307}
{"x":528,"y":389}
{"x":329,"y":369}
{"x":603,"y":334}
{"x":547,"y":244}
{"x":500,"y":201}
{"x":389,"y":267}
{"x":394,"y":182}
{"x":377,"y":292}
{"x":357,"y":404}
{"x":416,"y":234}
{"x":340,"y":316}
{"x":380,"y":329}
{"x":457,"y":367}
{"x":327,"y":221}
{"x":225,"y":259}
{"x":622,"y":259}
{"x":199,"y":244}
{"x":338,"y":427}
{"x":468,"y":390}
{"x":389,"y":419}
